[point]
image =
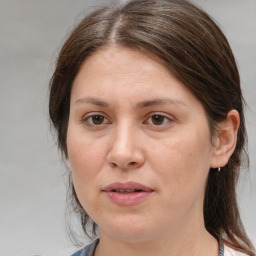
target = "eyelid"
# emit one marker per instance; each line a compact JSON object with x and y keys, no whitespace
{"x":85,"y":118}
{"x":169,"y":117}
{"x":107,"y":120}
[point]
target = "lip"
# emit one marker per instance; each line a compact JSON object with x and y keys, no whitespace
{"x":125,"y":199}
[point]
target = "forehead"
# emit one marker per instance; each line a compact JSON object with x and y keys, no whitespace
{"x":122,"y":60}
{"x":122,"y":65}
{"x":124,"y":72}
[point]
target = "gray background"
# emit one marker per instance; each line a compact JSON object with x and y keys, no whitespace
{"x":32,"y":184}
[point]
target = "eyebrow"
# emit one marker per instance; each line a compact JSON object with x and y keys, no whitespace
{"x":165,"y":101}
{"x":93,"y":101}
{"x":143,"y":104}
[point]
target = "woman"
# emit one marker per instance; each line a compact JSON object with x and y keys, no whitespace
{"x":147,"y":106}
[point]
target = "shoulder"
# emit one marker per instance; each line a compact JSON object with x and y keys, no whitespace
{"x":88,"y":250}
{"x":231,"y":252}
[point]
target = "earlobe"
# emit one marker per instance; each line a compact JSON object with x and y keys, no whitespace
{"x":226,"y":140}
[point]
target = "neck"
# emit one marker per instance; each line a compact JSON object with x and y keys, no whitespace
{"x":196,"y":242}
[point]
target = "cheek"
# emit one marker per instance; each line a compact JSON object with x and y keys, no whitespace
{"x":86,"y":159}
{"x":84,"y":154}
{"x":182,"y":164}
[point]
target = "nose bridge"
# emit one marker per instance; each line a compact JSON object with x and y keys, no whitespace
{"x":124,"y":135}
{"x":125,"y":151}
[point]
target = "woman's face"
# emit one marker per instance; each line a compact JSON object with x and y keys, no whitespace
{"x":139,"y":146}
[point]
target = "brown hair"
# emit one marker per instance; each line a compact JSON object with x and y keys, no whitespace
{"x":194,"y":49}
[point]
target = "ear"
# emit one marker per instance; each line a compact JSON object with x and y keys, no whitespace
{"x":225,"y":142}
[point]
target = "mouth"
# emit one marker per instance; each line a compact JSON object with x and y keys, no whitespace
{"x":127,"y":187}
{"x":126,"y":194}
{"x":126,"y":191}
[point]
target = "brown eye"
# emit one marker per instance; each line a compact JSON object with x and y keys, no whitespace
{"x":157,"y":119}
{"x":95,"y":120}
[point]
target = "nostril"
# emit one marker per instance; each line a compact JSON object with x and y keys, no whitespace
{"x":113,"y":165}
{"x":131,"y":164}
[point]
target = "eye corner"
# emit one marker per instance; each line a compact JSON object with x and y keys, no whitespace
{"x":96,"y":120}
{"x":158,"y":119}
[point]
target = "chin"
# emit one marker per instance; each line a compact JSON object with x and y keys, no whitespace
{"x":131,"y":231}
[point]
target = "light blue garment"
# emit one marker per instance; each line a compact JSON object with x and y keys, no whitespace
{"x":88,"y":250}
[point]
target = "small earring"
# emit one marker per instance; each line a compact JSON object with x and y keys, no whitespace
{"x":219,"y":169}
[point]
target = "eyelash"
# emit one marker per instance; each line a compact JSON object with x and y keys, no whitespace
{"x":164,"y":118}
{"x":85,"y":120}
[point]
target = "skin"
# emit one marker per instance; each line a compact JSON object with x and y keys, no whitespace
{"x":171,"y":154}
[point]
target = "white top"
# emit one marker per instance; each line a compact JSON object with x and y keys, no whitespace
{"x":231,"y":252}
{"x":227,"y":252}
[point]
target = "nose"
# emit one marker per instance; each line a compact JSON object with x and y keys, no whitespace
{"x":126,"y":150}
